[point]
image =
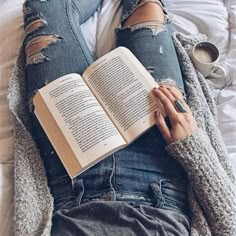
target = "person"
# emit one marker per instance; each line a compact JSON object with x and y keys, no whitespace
{"x":141,"y":189}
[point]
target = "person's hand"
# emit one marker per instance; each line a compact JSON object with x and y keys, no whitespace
{"x":182,"y":121}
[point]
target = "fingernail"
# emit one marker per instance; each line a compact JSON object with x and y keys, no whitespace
{"x":156,"y":114}
{"x":155,"y":88}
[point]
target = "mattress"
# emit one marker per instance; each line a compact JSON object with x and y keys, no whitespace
{"x":215,"y":18}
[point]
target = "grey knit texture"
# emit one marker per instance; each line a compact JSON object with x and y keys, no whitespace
{"x":203,"y":155}
{"x":33,"y":201}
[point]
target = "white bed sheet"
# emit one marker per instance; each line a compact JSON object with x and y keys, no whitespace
{"x":212,"y":17}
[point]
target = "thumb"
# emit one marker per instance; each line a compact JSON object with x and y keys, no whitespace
{"x":162,"y":126}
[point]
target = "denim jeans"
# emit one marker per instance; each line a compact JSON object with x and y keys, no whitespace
{"x":143,"y":172}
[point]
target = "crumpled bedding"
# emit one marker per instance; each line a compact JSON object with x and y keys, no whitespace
{"x":215,"y":18}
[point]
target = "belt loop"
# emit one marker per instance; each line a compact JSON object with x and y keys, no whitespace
{"x":158,"y":196}
{"x":78,"y":188}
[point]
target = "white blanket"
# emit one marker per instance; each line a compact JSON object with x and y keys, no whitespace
{"x":212,"y":17}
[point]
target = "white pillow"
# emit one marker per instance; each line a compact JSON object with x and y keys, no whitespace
{"x":231,"y":57}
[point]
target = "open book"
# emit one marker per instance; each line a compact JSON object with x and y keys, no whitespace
{"x":90,"y":117}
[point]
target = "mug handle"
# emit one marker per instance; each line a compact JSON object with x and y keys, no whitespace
{"x":218,"y":72}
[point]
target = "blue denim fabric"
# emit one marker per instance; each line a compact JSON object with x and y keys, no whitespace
{"x":142,"y":173}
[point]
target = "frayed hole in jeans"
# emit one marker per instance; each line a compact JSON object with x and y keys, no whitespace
{"x":35,"y":47}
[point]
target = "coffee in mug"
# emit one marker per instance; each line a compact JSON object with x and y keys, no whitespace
{"x":205,"y":57}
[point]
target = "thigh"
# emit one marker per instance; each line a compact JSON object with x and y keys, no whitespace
{"x":145,"y":166}
{"x":54,"y":46}
{"x":154,"y":48}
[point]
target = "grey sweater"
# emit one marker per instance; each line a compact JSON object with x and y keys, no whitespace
{"x":212,"y":192}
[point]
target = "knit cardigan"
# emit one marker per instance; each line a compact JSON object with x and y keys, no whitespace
{"x":212,"y":190}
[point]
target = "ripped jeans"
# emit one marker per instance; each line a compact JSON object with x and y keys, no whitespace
{"x":143,"y":172}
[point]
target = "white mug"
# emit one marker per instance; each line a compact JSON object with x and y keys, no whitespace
{"x":205,"y":57}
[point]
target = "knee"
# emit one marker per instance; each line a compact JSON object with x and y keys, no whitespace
{"x":36,"y":40}
{"x":146,"y":10}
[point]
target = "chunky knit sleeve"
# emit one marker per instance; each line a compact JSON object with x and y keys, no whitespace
{"x":212,"y":187}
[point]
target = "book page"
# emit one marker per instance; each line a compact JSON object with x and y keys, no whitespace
{"x":84,"y":123}
{"x":124,"y":88}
